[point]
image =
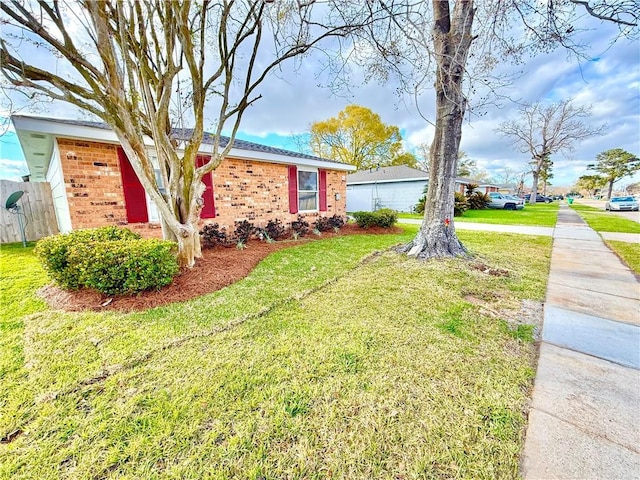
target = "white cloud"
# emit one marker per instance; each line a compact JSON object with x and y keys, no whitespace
{"x":609,"y":82}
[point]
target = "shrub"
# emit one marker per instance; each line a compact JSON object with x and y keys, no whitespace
{"x":419,"y":207}
{"x":470,"y":189}
{"x":275,"y":229}
{"x":53,"y":251}
{"x":243,"y":231}
{"x":384,"y":218}
{"x":110,"y":259}
{"x":300,"y":227}
{"x":478,"y":201}
{"x":337,"y":222}
{"x":213,"y":235}
{"x":460,"y":204}
{"x":322,"y":224}
{"x":124,"y":266}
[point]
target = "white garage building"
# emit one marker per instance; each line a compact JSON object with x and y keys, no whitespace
{"x":397,"y":188}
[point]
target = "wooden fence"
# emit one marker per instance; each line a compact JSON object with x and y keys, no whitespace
{"x":36,"y":209}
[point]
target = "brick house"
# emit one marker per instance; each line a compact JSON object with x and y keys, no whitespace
{"x":93,"y":183}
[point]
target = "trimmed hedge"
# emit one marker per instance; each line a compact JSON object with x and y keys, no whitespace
{"x":124,"y":266}
{"x":385,"y":218}
{"x":110,"y":259}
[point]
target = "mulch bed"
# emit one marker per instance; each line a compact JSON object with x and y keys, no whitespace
{"x":218,"y":268}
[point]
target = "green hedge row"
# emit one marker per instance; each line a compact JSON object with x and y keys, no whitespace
{"x":385,"y":218}
{"x":111,"y":260}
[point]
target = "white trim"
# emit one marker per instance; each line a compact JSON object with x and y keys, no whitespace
{"x":312,"y":170}
{"x":55,"y":178}
{"x":365,"y":182}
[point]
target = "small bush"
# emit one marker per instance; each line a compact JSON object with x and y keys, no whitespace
{"x":478,"y":201}
{"x":460,"y":204}
{"x":337,"y":222}
{"x":243,"y":232}
{"x":384,"y":218}
{"x":419,"y":207}
{"x":213,"y":235}
{"x":323,"y":224}
{"x":387,"y":217}
{"x":53,"y":251}
{"x":124,"y":266}
{"x":275,"y":229}
{"x":110,"y":259}
{"x":300,"y":227}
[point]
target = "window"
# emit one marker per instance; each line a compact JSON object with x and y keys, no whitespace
{"x":307,"y":190}
{"x":152,"y":209}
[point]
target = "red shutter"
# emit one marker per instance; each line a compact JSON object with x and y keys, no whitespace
{"x":209,"y":207}
{"x":135,"y":199}
{"x":293,"y":189}
{"x":323,"y":190}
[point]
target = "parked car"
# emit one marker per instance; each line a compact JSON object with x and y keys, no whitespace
{"x":557,"y":197}
{"x":539,"y":198}
{"x":621,"y":203}
{"x":506,"y":202}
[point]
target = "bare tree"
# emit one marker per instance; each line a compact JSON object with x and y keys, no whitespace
{"x":147,"y":67}
{"x":543,"y":130}
{"x":429,"y":44}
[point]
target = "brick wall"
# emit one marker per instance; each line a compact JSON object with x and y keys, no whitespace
{"x":251,"y":190}
{"x":94,"y":187}
{"x":259,"y":192}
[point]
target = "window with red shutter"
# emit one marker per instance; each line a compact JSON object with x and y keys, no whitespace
{"x":323,"y":190}
{"x":293,"y":189}
{"x":209,"y":207}
{"x":135,"y":198}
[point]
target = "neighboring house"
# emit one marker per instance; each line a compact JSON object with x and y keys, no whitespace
{"x":398,"y":188}
{"x":93,"y":183}
{"x":461,"y":185}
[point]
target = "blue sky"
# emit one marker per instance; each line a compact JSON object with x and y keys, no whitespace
{"x":608,"y":81}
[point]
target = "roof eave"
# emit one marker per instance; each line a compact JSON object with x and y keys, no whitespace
{"x":26,"y":126}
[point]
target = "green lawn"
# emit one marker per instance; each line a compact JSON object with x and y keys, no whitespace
{"x":540,"y":214}
{"x":628,"y":252}
{"x":334,"y":358}
{"x":602,"y":221}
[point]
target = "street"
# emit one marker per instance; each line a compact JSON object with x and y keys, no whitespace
{"x":635,"y":216}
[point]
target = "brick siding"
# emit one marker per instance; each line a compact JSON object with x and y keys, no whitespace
{"x":243,"y":189}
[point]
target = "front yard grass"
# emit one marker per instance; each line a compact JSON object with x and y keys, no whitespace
{"x":628,"y":252}
{"x":602,"y":221}
{"x":331,"y":359}
{"x":540,"y":214}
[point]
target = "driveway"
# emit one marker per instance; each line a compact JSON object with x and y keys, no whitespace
{"x":635,"y":216}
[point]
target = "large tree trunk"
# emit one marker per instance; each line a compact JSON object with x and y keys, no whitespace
{"x":534,"y":186}
{"x":610,"y":190}
{"x":452,"y":40}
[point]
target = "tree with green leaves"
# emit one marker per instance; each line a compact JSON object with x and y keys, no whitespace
{"x":406,"y":158}
{"x":546,"y":173}
{"x":358,"y":136}
{"x":613,"y":165}
{"x":590,"y":184}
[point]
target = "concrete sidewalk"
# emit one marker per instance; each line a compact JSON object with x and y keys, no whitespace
{"x":584,"y":420}
{"x":491,"y":227}
{"x":526,"y":230}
